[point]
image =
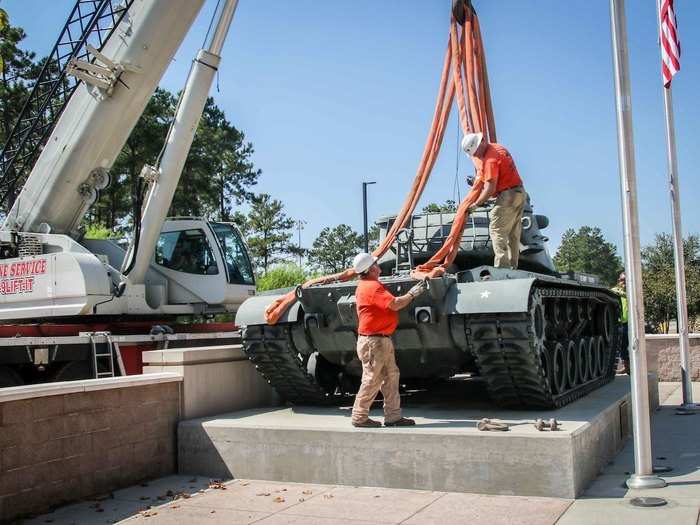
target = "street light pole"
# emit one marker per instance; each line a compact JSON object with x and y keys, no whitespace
{"x":300,"y":226}
{"x":364,"y":212}
{"x":644,"y":476}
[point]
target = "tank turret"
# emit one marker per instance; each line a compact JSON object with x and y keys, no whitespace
{"x":427,"y":232}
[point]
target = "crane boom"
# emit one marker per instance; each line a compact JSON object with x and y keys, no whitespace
{"x":92,"y":129}
{"x":165,"y":177}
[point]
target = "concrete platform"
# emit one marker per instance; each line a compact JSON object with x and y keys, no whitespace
{"x":444,"y":452}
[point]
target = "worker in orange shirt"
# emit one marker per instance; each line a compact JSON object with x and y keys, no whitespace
{"x":497,"y":170}
{"x":377,"y":311}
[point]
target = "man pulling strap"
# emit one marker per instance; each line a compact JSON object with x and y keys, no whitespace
{"x":377,"y":311}
{"x":496,"y":168}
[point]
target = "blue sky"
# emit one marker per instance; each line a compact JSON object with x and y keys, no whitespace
{"x":335,"y":93}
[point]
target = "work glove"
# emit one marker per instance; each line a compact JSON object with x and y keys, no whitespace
{"x":418,"y":288}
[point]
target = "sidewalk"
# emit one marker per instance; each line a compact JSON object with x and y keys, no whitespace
{"x":183,"y":499}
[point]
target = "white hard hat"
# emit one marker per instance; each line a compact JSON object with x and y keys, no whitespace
{"x":471,"y":142}
{"x":362,"y":262}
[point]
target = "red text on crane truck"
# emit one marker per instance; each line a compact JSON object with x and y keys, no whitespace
{"x":17,"y":277}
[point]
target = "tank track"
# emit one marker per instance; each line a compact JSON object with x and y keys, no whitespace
{"x":272,"y":351}
{"x":520,"y":360}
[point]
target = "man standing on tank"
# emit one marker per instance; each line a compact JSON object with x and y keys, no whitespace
{"x":496,"y":168}
{"x":377,"y":312}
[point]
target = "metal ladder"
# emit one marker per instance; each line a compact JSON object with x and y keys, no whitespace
{"x":103,"y":362}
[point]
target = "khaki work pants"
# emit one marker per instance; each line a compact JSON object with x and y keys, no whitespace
{"x":379,"y":372}
{"x":505,"y":227}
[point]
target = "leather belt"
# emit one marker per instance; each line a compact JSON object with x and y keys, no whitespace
{"x":511,"y":188}
{"x":375,"y":335}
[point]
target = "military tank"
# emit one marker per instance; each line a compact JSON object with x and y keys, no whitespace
{"x":539,"y":339}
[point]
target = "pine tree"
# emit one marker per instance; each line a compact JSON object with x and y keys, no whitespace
{"x":586,"y":250}
{"x":334,"y":248}
{"x":269,"y":231}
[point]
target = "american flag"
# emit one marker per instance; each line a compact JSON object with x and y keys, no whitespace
{"x":670,"y":45}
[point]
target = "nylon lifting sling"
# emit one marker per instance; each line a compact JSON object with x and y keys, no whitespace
{"x":464,"y":77}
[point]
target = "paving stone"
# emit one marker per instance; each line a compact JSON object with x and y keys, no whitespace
{"x":150,"y":490}
{"x":604,"y":511}
{"x":179,"y":515}
{"x":289,"y":519}
{"x":90,"y":512}
{"x":495,"y":510}
{"x":261,"y":496}
{"x":364,"y":503}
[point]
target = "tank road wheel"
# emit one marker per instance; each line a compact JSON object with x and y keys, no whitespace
{"x":570,"y":310}
{"x":604,"y":322}
{"x":571,"y":365}
{"x":602,"y":356}
{"x":74,"y":371}
{"x":582,"y":360}
{"x":538,"y":322}
{"x":554,"y":317}
{"x":581,"y":310}
{"x":593,"y":361}
{"x":559,"y":368}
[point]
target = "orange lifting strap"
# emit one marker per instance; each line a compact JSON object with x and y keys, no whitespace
{"x":463,"y":74}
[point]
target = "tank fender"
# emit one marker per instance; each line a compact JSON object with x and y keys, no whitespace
{"x":488,"y":297}
{"x":252,"y":311}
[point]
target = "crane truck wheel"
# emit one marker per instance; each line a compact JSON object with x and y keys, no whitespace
{"x":74,"y":371}
{"x":9,"y":377}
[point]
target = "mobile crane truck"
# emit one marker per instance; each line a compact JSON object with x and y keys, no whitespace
{"x":74,"y":308}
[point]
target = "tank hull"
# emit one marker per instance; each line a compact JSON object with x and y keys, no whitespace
{"x":539,"y":341}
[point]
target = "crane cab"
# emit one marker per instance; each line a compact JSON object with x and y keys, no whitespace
{"x":203,"y":260}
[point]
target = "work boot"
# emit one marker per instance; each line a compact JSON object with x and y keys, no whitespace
{"x":403,"y":422}
{"x":367,"y":423}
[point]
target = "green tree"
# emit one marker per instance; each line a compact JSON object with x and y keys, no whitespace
{"x":121,"y":201}
{"x":219,"y":172}
{"x":269,"y":231}
{"x":658,"y":276}
{"x":586,"y":250}
{"x":449,"y":206}
{"x":373,"y":235}
{"x":98,"y":232}
{"x":19,"y":69}
{"x":284,"y":276}
{"x":334,"y":248}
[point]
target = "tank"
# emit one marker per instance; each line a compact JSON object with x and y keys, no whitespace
{"x":539,"y":339}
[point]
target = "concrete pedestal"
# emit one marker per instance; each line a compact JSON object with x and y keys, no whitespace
{"x":444,"y":452}
{"x":216,"y":379}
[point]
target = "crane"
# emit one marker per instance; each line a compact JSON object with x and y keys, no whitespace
{"x":105,"y":66}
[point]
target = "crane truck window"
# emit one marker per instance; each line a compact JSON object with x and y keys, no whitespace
{"x":186,"y":251}
{"x":238,"y":267}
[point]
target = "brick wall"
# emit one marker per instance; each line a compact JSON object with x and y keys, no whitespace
{"x":664,"y":356}
{"x":68,"y":441}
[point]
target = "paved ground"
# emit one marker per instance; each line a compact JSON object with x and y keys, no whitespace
{"x":178,"y":499}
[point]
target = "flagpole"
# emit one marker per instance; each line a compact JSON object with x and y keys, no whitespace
{"x":679,"y":258}
{"x":644,"y":476}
